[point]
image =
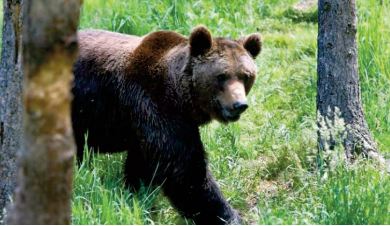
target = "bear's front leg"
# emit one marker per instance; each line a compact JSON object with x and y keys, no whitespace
{"x":196,"y":195}
{"x":175,"y":154}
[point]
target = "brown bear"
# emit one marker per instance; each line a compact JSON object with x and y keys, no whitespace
{"x":149,"y":95}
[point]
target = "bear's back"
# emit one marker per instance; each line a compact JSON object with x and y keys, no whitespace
{"x":116,"y":52}
{"x":109,"y":50}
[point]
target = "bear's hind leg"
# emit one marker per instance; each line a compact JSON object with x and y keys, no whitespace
{"x":79,"y":140}
{"x":135,"y":170}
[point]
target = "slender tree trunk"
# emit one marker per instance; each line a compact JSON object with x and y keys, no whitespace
{"x":11,"y":106}
{"x":44,"y":180}
{"x":338,"y":80}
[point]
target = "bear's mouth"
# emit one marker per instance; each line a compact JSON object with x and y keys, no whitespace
{"x":225,"y":115}
{"x":228,"y":116}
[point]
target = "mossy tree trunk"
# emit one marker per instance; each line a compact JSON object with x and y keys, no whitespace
{"x":44,"y":177}
{"x":338,"y":79}
{"x":11,"y":106}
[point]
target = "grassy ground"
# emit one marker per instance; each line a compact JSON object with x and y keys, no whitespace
{"x":265,"y":163}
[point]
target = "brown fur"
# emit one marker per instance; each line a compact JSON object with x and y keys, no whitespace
{"x":109,"y":48}
{"x":148,"y":95}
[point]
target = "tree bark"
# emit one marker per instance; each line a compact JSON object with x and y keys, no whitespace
{"x":338,"y":80}
{"x":11,"y":106}
{"x":44,"y":180}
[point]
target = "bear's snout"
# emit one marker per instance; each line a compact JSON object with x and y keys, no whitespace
{"x":240,"y":106}
{"x":233,"y":113}
{"x":233,"y":100}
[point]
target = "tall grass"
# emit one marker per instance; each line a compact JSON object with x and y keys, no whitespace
{"x":350,"y":194}
{"x":101,"y":198}
{"x":357,"y":194}
{"x":374,"y":61}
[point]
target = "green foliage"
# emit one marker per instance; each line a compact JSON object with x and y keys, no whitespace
{"x":101,"y":198}
{"x":374,"y":63}
{"x":99,"y":193}
{"x":349,"y":194}
{"x":357,"y":194}
{"x":298,"y":15}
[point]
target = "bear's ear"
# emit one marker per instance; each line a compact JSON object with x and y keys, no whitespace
{"x":252,"y":44}
{"x":200,"y":41}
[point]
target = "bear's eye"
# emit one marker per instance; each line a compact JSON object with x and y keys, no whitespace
{"x":222,"y":78}
{"x":246,"y":78}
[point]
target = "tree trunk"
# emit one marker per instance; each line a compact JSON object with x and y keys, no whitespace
{"x":338,"y":80}
{"x":49,"y":46}
{"x":10,"y":100}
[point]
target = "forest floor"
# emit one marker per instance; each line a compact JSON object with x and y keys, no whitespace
{"x":266,"y":163}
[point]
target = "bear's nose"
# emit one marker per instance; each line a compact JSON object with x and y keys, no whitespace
{"x":240,"y":107}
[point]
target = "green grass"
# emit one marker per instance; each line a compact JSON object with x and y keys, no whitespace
{"x":265,"y":163}
{"x":374,"y":61}
{"x":355,"y":194}
{"x":101,"y":197}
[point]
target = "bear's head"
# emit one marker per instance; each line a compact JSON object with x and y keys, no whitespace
{"x":223,"y":72}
